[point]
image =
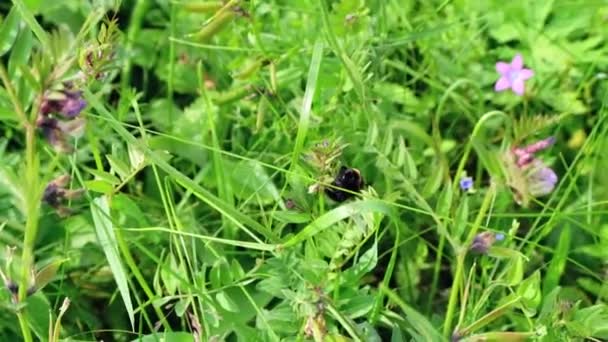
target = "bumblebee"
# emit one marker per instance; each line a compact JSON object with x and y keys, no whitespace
{"x":348,"y":179}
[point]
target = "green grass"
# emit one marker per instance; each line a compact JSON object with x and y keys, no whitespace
{"x":213,"y":129}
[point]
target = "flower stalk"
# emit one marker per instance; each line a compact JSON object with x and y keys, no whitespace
{"x":460,"y":258}
{"x":32,"y":195}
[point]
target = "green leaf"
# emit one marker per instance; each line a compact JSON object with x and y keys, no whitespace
{"x":47,"y":273}
{"x":38,"y":309}
{"x":515,"y":272}
{"x":311,"y":87}
{"x":594,"y":319}
{"x":9,"y":31}
{"x":530,"y":292}
{"x":287,"y":216}
{"x":29,"y":18}
{"x":98,"y":185}
{"x":226,"y":302}
{"x":338,"y":214}
{"x":249,"y":178}
{"x":118,"y":166}
{"x":105,"y":176}
{"x":367,"y":262}
{"x":558,"y":261}
{"x":20,"y":53}
{"x":106,"y":237}
{"x":169,"y":280}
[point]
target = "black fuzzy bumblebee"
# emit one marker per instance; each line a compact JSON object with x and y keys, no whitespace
{"x":347,"y":178}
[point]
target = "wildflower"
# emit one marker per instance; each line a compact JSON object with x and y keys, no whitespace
{"x":528,"y":176}
{"x":541,"y":179}
{"x":512,"y":75}
{"x":56,"y":132}
{"x":68,"y":103}
{"x":483,"y":241}
{"x":525,"y":155}
{"x":56,"y":193}
{"x":466,"y":183}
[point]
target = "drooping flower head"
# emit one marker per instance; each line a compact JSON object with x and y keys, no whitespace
{"x":56,"y":194}
{"x":67,"y":103}
{"x":512,"y":75}
{"x":59,"y":116}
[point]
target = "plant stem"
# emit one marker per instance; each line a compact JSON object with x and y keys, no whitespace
{"x":32,"y":196}
{"x":460,"y":257}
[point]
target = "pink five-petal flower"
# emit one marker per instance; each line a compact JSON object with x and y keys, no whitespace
{"x":512,"y":75}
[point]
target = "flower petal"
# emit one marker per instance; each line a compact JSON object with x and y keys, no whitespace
{"x":541,"y":179}
{"x":502,"y":84}
{"x":518,"y":62}
{"x":525,"y":74}
{"x":518,"y":86}
{"x":503,"y":67}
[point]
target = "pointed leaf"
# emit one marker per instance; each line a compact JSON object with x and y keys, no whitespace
{"x":104,"y":229}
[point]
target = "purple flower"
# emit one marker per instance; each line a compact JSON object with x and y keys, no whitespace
{"x":56,"y":132}
{"x":73,"y":104}
{"x":68,"y":103}
{"x":483,"y":241}
{"x":56,"y":193}
{"x":541,"y":179}
{"x":466,"y":183}
{"x":525,"y":155}
{"x":512,"y":75}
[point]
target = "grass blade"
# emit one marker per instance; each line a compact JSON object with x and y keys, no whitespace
{"x":311,"y":86}
{"x":31,"y":21}
{"x":100,"y":210}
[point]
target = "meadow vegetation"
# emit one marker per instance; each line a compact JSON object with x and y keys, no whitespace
{"x":303,"y":170}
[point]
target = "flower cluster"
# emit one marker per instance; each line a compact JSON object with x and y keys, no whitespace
{"x":59,"y":117}
{"x":56,"y":194}
{"x":527,"y":175}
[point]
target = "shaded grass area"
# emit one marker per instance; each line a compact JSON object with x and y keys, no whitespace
{"x":197,"y":207}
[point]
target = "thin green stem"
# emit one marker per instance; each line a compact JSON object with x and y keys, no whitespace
{"x":32,"y":195}
{"x":436,"y":270}
{"x":461,"y":253}
{"x":137,"y":17}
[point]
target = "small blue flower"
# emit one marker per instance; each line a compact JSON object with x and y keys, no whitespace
{"x":466,"y":183}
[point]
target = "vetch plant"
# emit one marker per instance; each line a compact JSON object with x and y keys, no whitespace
{"x":528,"y":176}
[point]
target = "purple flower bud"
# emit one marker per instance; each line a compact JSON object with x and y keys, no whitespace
{"x":483,"y":241}
{"x":56,"y":193}
{"x":466,"y":183}
{"x":73,"y":104}
{"x":68,"y":103}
